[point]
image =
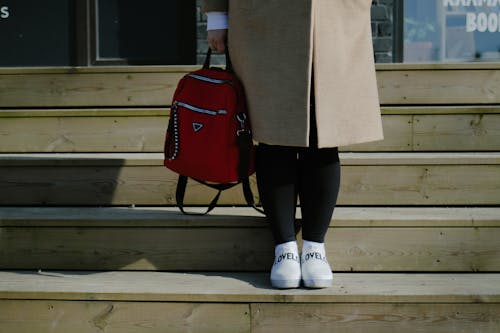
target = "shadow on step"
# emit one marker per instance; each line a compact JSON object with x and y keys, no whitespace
{"x":140,"y":239}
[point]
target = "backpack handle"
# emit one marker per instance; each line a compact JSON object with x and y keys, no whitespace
{"x":229,"y":65}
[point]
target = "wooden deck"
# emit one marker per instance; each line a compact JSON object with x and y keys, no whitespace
{"x":90,"y":240}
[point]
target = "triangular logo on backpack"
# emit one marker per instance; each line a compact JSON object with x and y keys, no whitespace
{"x":197,"y":127}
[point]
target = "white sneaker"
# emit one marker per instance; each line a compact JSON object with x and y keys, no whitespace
{"x":316,"y":271}
{"x":285,"y":272}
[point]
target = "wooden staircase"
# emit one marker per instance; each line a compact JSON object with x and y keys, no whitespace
{"x":90,"y":242}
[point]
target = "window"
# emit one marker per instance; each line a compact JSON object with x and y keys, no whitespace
{"x":172,"y":32}
{"x":451,"y":30}
{"x":149,"y":32}
{"x":97,"y":32}
{"x":27,"y":39}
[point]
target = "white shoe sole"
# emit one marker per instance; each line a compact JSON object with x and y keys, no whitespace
{"x":285,"y":284}
{"x":318,"y":283}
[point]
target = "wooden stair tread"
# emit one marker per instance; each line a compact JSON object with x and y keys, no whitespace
{"x":154,"y":85}
{"x":142,"y":129}
{"x":369,"y":179}
{"x":243,"y":217}
{"x":188,"y":68}
{"x":238,"y":239}
{"x":347,"y":158}
{"x":247,"y":287}
{"x":165,"y":111}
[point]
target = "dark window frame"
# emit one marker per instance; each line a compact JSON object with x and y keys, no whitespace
{"x":94,"y":39}
{"x":398,"y":26}
{"x":82,"y":33}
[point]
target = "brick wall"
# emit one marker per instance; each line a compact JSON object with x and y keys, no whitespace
{"x":382,"y":32}
{"x":382,"y":29}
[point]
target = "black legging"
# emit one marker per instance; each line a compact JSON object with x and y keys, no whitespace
{"x":312,"y":174}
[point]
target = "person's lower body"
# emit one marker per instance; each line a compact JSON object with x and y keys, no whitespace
{"x":312,"y":175}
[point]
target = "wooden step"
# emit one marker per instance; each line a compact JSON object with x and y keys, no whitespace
{"x":430,"y":128}
{"x":52,"y":301}
{"x":154,"y":85}
{"x":139,"y":178}
{"x":360,"y":239}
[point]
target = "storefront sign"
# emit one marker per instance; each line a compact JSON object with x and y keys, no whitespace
{"x":483,"y":22}
{"x":4,"y":12}
{"x":482,"y":15}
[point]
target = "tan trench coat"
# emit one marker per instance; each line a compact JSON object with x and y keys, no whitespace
{"x":273,"y":45}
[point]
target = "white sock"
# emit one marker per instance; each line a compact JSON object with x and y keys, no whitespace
{"x":320,"y":247}
{"x":286,"y":272}
{"x":316,"y":271}
{"x":288,"y":245}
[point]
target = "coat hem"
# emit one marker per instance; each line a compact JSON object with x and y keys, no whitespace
{"x":320,"y":146}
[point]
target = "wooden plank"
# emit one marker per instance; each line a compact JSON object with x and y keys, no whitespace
{"x":460,"y":132}
{"x":107,"y":133}
{"x":414,"y":249}
{"x":101,"y":186}
{"x":187,"y":68}
{"x":374,"y":217}
{"x":107,"y":89}
{"x":397,"y":136}
{"x":145,"y":88}
{"x":439,"y":87}
{"x":374,"y":185}
{"x":420,"y":158}
{"x":444,"y":180}
{"x":247,"y":287}
{"x":99,"y":69}
{"x":375,"y":318}
{"x":135,"y":134}
{"x":420,"y":185}
{"x":83,"y":134}
{"x":164,"y":112}
{"x":170,"y":249}
{"x":80,"y":317}
{"x":85,"y":112}
{"x":121,"y":317}
{"x":439,"y":109}
{"x":46,"y":185}
{"x":156,"y":159}
{"x":368,"y":239}
{"x":245,"y":217}
{"x":129,"y":217}
{"x":360,"y":249}
{"x":437,"y":66}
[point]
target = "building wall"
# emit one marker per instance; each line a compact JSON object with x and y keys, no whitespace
{"x":382,"y":28}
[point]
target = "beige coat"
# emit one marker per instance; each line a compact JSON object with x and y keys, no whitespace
{"x":273,"y":45}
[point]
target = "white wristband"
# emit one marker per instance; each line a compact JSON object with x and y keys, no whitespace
{"x":217,"y":20}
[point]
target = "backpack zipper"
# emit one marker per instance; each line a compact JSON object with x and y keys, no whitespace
{"x":200,"y":110}
{"x":208,"y":79}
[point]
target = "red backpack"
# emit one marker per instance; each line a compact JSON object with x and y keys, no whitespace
{"x":209,"y":137}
